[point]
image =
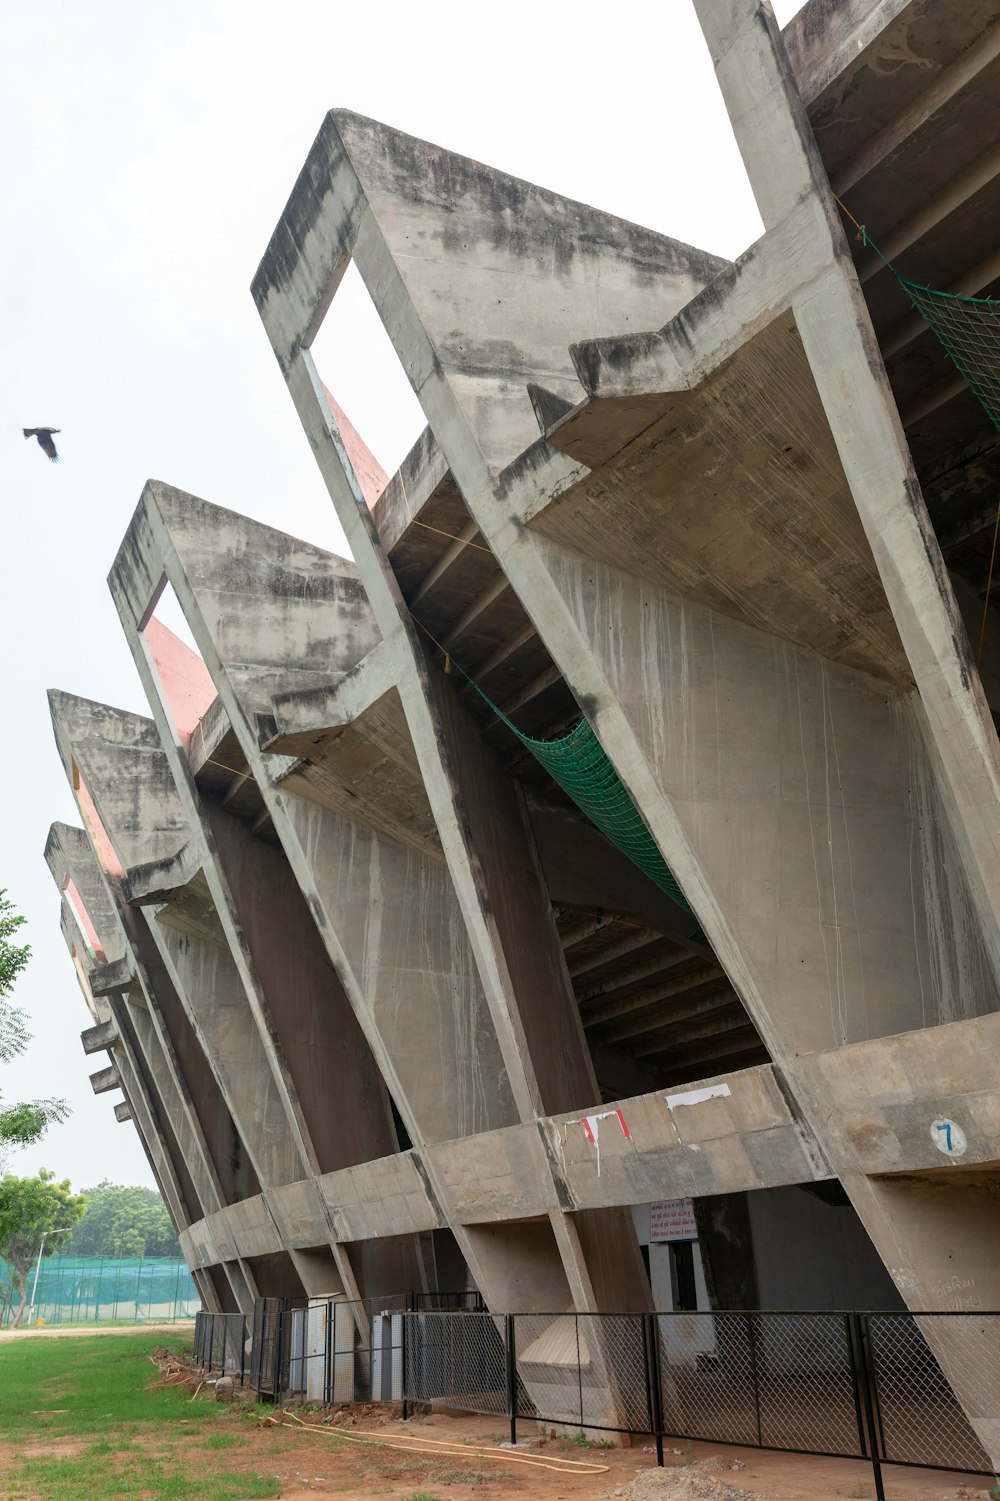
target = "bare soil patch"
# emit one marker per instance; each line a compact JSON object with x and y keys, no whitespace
{"x":310,"y":1465}
{"x":366,"y":1454}
{"x":80,"y":1331}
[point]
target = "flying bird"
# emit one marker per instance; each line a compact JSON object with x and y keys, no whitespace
{"x":45,"y":443}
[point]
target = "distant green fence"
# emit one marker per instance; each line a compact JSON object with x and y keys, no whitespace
{"x":78,"y":1289}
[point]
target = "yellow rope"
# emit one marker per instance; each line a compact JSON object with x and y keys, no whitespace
{"x":428,"y":528}
{"x":859,"y":227}
{"x":466,"y":542}
{"x":443,"y":1448}
{"x":210,"y":760}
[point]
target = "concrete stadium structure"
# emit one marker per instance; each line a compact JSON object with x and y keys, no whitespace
{"x":386,"y":1008}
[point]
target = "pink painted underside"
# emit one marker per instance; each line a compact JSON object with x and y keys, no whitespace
{"x":368,"y":472}
{"x":184,"y":679}
{"x":81,"y":975}
{"x":98,"y":834}
{"x":83,"y":920}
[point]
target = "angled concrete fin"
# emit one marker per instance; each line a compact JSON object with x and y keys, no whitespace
{"x":119,"y":772}
{"x":279,"y":615}
{"x":105,"y":1079}
{"x":528,"y":272}
{"x":73,"y":864}
{"x":96,"y":1039}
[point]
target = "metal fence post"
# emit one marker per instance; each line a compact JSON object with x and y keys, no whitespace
{"x":411,"y":1303}
{"x":651,"y":1371}
{"x":863,"y":1384}
{"x":331,"y":1317}
{"x":279,"y":1331}
{"x":511,"y":1364}
{"x":751,"y":1340}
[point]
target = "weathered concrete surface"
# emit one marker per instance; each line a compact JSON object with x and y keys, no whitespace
{"x":680,"y":498}
{"x":800,"y":724}
{"x":97,"y":1039}
{"x":191,"y":1141}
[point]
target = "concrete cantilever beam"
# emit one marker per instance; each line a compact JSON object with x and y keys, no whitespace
{"x":166,"y":1086}
{"x":341,"y":209}
{"x":337,"y":883}
{"x":330,"y":834}
{"x":126,"y":781}
{"x":301,"y":615}
{"x":791,"y":726}
{"x":105,"y":1079}
{"x":183,"y":940}
{"x":97,"y":1039}
{"x":316,"y":822}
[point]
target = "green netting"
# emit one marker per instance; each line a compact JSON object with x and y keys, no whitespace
{"x":579,"y":765}
{"x":969,"y":329}
{"x":72,"y":1289}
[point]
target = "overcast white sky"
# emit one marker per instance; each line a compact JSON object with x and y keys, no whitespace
{"x":149,"y":149}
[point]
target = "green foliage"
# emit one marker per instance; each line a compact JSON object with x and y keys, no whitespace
{"x":122,"y":1222}
{"x":12,"y":961}
{"x":23,"y":1123}
{"x":29,"y":1209}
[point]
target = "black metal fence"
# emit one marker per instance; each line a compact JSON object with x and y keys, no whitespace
{"x":867,"y":1386}
{"x":221,"y":1341}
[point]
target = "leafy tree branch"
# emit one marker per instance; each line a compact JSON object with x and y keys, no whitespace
{"x":30,"y":1209}
{"x":24,"y":1122}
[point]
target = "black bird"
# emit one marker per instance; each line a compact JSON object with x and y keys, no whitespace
{"x":45,"y":443}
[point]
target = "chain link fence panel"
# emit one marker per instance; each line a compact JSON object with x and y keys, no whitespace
{"x":921,"y":1419}
{"x":866,"y":1386}
{"x":459,"y":1358}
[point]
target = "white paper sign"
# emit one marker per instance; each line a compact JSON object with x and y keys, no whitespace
{"x":672,"y":1220}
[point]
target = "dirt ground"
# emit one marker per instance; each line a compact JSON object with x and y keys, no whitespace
{"x":356,"y":1458}
{"x":310,"y":1465}
{"x":77,"y":1331}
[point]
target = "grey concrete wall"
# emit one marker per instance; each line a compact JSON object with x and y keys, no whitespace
{"x":809,"y":1253}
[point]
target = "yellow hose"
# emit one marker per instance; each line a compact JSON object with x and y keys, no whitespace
{"x":409,"y":1443}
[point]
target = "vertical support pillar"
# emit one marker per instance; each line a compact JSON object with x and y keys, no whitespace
{"x":511,"y":1373}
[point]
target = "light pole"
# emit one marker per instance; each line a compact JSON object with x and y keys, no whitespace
{"x":41,"y":1247}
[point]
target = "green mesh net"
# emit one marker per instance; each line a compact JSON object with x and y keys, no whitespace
{"x":969,"y":329}
{"x":75,"y":1289}
{"x":578,"y":764}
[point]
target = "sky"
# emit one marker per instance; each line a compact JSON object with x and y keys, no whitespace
{"x":149,"y":150}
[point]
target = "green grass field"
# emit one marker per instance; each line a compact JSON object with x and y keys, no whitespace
{"x":90,"y":1403}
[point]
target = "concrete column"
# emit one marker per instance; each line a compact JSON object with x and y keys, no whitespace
{"x":116,"y":984}
{"x":842,"y":859}
{"x":497,"y":958}
{"x":356,"y":877}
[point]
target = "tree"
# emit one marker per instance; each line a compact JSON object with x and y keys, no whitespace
{"x":25,"y":1122}
{"x":31,"y":1208}
{"x":123,"y":1222}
